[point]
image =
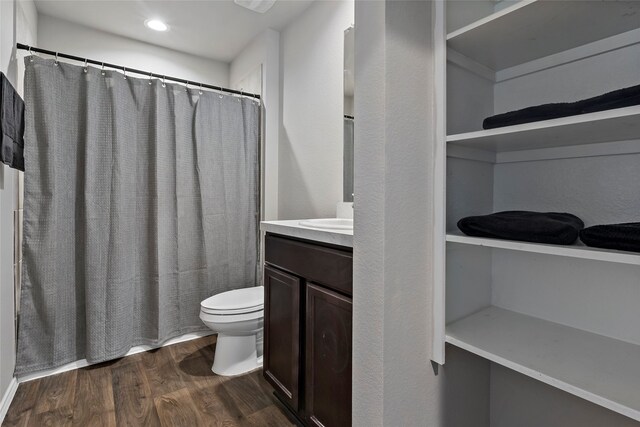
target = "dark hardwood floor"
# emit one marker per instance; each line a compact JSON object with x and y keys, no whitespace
{"x":170,"y":386}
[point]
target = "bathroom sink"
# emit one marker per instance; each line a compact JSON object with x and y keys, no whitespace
{"x":329,"y":223}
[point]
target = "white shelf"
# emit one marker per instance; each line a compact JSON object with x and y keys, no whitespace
{"x":533,"y":29}
{"x":622,"y":124}
{"x":573,"y":251}
{"x":599,"y":369}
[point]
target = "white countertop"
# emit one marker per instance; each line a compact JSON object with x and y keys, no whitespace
{"x":293,"y":228}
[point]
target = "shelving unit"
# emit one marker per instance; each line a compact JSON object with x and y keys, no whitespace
{"x":529,"y":30}
{"x":621,"y":124}
{"x":599,"y":369}
{"x":580,"y":333}
{"x":572,"y":251}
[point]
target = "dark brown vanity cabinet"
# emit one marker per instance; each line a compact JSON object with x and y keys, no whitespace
{"x":308,"y":324}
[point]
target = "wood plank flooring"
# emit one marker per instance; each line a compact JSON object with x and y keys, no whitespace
{"x":171,"y":386}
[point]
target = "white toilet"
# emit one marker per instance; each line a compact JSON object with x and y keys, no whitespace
{"x":237,"y":316}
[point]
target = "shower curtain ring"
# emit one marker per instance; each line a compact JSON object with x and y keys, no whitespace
{"x":163,"y":81}
{"x":200,"y":91}
{"x":55,"y":62}
{"x":124,"y":70}
{"x":102,"y":69}
{"x":241,"y":94}
{"x":186,"y":87}
{"x":150,"y":78}
{"x":30,"y":55}
{"x":85,"y":65}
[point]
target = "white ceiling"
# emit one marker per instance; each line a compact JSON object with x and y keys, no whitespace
{"x":216,"y":29}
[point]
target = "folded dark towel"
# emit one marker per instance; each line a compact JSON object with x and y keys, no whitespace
{"x":537,"y":227}
{"x":617,"y":99}
{"x":624,"y":237}
{"x":11,"y":125}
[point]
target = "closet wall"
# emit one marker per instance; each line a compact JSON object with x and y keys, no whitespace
{"x":569,"y":361}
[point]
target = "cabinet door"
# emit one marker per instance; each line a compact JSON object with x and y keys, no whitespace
{"x":282,"y":334}
{"x":328,"y":357}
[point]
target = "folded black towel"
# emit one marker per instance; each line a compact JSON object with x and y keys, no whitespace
{"x":624,"y":237}
{"x":11,"y":125}
{"x":537,"y":227}
{"x":617,"y":99}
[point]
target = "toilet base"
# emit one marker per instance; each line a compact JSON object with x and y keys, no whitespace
{"x":235,"y":355}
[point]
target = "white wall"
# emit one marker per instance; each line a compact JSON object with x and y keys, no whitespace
{"x":393,"y":380}
{"x":7,"y":328}
{"x":18,"y":23}
{"x":310,"y":151}
{"x":67,"y":37}
{"x":369,"y":216}
{"x":262,"y":56}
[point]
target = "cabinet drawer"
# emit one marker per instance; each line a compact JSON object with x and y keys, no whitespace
{"x":330,"y":267}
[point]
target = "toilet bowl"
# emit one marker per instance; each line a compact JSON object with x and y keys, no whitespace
{"x":237,"y":317}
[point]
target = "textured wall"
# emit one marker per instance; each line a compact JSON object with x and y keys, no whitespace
{"x":369,"y":216}
{"x":394,"y":384}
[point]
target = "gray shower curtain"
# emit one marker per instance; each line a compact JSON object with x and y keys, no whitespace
{"x":141,"y":200}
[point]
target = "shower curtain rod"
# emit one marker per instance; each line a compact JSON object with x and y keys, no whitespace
{"x":133,"y":70}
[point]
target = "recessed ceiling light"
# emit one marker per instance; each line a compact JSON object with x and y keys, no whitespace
{"x":156,"y":24}
{"x":260,"y":6}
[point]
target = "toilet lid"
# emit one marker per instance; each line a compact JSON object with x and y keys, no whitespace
{"x":236,"y":301}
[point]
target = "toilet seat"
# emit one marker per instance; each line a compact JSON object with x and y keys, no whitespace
{"x":247,"y":310}
{"x":238,"y":301}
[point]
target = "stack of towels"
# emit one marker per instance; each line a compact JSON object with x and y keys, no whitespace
{"x":617,"y":99}
{"x":553,"y":228}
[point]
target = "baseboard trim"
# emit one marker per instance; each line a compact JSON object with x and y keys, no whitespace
{"x":83,"y":363}
{"x":9,"y":393}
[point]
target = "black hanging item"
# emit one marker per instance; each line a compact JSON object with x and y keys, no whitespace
{"x":616,"y":99}
{"x":623,"y":237}
{"x":12,"y":125}
{"x":537,"y":227}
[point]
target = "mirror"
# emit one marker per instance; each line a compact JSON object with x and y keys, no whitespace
{"x":347,"y":168}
